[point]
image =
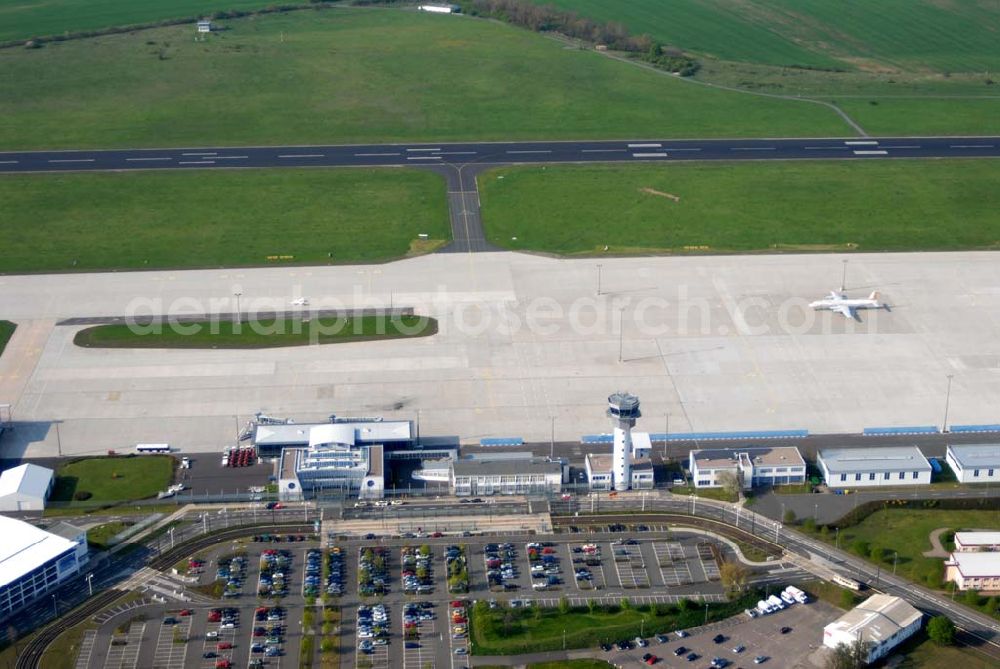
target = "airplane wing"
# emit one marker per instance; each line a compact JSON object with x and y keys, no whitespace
{"x":845,"y":310}
{"x":835,"y":296}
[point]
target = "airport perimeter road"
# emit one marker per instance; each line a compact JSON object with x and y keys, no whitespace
{"x":502,"y":153}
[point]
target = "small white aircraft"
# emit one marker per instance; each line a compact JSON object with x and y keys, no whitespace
{"x":301,"y":302}
{"x":847,"y":307}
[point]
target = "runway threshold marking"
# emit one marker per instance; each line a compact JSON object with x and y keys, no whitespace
{"x":659,"y":154}
{"x":871,"y":153}
{"x":139,"y":160}
{"x":301,"y":155}
{"x":71,"y":160}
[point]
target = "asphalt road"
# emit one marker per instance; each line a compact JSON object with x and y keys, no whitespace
{"x":485,"y":153}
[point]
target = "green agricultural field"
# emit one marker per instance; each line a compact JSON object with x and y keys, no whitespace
{"x":263,"y":333}
{"x":944,"y":55}
{"x":135,"y":220}
{"x":907,"y":35}
{"x":751,"y":206}
{"x":6,"y":332}
{"x":23,"y":19}
{"x":113,"y":479}
{"x":359,"y":75}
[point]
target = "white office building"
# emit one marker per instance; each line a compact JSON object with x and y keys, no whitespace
{"x":874,"y":467}
{"x":753,"y":467}
{"x":974,"y":463}
{"x":25,"y":488}
{"x":33,"y":562}
{"x":515,"y":474}
{"x":974,"y":570}
{"x":973,"y":542}
{"x":882,"y":621}
{"x":600,"y":476}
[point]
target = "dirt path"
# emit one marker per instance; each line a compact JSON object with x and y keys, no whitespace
{"x":937,"y":550}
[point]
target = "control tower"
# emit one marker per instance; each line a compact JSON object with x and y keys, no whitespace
{"x":623,"y":409}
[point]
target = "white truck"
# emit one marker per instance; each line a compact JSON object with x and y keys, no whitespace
{"x":764,"y":607}
{"x":776,"y":602}
{"x":797,"y":594}
{"x":787,"y":598}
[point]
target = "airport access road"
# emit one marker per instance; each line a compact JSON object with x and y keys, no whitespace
{"x":485,"y":153}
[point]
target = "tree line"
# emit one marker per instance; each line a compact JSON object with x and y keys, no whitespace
{"x":613,"y":35}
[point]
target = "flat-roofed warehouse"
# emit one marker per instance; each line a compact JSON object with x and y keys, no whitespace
{"x":872,"y":467}
{"x":883,"y":621}
{"x":33,"y":561}
{"x":974,"y":463}
{"x":977,"y":570}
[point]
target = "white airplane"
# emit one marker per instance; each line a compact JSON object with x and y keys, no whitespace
{"x":301,"y":302}
{"x":838,"y":302}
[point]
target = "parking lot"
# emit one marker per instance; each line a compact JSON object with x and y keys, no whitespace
{"x":741,"y":641}
{"x":404,"y":600}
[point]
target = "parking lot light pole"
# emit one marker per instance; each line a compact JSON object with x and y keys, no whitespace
{"x":90,"y":584}
{"x":947,"y":402}
{"x":706,"y":613}
{"x":564,"y":639}
{"x":55,"y":606}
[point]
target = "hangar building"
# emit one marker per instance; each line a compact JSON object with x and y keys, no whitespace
{"x":33,"y":562}
{"x":25,"y":488}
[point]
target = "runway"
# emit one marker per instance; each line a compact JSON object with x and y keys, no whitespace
{"x":487,"y":153}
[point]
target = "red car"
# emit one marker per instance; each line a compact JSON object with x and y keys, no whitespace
{"x":224,"y":645}
{"x":652,"y":659}
{"x":185,"y":612}
{"x":437,"y":535}
{"x":223,"y":664}
{"x":456,"y":604}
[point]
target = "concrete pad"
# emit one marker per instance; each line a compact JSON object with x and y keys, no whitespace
{"x":718,"y":343}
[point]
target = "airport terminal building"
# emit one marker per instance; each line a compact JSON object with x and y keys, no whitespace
{"x":33,"y":562}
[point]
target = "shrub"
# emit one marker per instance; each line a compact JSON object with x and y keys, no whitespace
{"x":82,"y":495}
{"x":941,"y":630}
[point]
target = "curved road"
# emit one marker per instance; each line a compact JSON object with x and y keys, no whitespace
{"x":487,"y":153}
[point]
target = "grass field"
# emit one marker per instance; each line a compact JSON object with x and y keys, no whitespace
{"x":907,"y":532}
{"x":99,"y":536}
{"x":952,"y":36}
{"x":256,"y":334}
{"x":350,"y":75}
{"x":516,"y":631}
{"x":22,"y":19}
{"x":6,"y":332}
{"x":800,"y":206}
{"x":197,"y":219}
{"x":113,"y":479}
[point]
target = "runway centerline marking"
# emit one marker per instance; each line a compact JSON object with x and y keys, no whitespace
{"x":230,"y":157}
{"x":423,"y":157}
{"x":866,"y":142}
{"x":197,"y":162}
{"x":971,"y":146}
{"x":673,"y":149}
{"x":301,"y":155}
{"x":753,"y":148}
{"x":373,"y":155}
{"x":8,"y":162}
{"x":825,"y":148}
{"x":131,"y":160}
{"x":435,"y":149}
{"x":458,"y":153}
{"x":202,"y":153}
{"x":905,"y":146}
{"x":532,"y":151}
{"x":602,"y":150}
{"x":71,"y":160}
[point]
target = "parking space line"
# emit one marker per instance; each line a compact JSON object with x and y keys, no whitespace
{"x":86,"y":648}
